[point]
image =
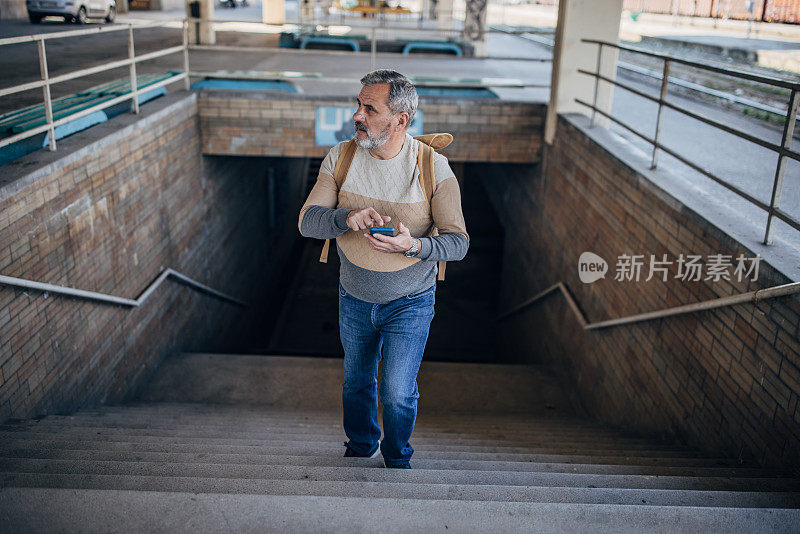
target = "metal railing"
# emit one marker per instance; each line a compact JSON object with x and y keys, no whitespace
{"x":373,"y":38}
{"x":111,"y":299}
{"x":783,"y":149}
{"x":47,"y":81}
{"x":751,"y":296}
{"x":657,"y":75}
{"x":132,"y":60}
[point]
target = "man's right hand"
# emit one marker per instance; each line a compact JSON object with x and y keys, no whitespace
{"x":366,"y":218}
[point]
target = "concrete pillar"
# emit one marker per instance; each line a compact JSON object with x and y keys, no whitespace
{"x":444,"y":14}
{"x":273,"y":11}
{"x":582,"y":19}
{"x":428,"y":9}
{"x":13,"y":9}
{"x":475,"y":25}
{"x":305,"y":10}
{"x":201,"y":32}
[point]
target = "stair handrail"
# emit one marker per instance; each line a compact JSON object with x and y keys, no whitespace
{"x":111,"y":299}
{"x":754,"y":296}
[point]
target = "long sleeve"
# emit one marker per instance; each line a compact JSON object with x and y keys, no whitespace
{"x":319,"y":217}
{"x":453,"y":241}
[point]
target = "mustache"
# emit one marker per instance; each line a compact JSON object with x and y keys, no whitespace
{"x":358,"y":125}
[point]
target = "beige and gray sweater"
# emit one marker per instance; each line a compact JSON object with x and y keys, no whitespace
{"x":391,"y":187}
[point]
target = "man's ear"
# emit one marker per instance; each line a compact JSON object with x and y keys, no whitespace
{"x":402,"y":121}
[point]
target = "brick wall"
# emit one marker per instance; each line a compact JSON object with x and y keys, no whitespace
{"x":261,"y":124}
{"x":106,"y":213}
{"x":726,"y":380}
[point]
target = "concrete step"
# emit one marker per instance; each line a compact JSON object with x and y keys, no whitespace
{"x":422,"y":429}
{"x":405,"y":490}
{"x":303,"y":426}
{"x":222,"y":419}
{"x":328,"y":434}
{"x":315,"y":447}
{"x":193,"y":407}
{"x":466,"y":424}
{"x":312,"y":428}
{"x":376,"y":473}
{"x":221,"y":413}
{"x":337,"y":460}
{"x":500,"y":423}
{"x":89,"y":510}
{"x":267,"y":418}
{"x":272,"y":380}
{"x":19,"y":448}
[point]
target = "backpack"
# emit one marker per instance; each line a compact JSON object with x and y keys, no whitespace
{"x":429,"y":143}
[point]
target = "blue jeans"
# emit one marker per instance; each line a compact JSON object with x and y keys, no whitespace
{"x":396,"y":331}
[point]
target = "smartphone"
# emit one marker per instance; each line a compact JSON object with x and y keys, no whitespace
{"x":381,"y":230}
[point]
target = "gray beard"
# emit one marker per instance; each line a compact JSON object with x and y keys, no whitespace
{"x":371,"y":142}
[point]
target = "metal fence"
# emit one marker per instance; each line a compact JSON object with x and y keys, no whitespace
{"x":375,"y":32}
{"x":783,"y":150}
{"x":46,"y":81}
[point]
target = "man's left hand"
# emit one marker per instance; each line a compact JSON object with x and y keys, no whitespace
{"x":399,"y":243}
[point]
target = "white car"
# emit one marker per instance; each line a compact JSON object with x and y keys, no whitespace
{"x":72,"y":10}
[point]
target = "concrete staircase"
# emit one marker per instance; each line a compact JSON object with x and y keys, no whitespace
{"x":253,"y":443}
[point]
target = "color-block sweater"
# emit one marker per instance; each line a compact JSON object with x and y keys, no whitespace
{"x":392,"y":187}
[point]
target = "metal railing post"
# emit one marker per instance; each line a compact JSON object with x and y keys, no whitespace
{"x":780,"y":169}
{"x":132,"y":57}
{"x":596,"y":83}
{"x":373,"y":49}
{"x":48,"y":103}
{"x":664,"y":82}
{"x":186,"y":53}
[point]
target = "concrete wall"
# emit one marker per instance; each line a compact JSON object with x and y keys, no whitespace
{"x":13,"y":9}
{"x":726,"y":380}
{"x":261,"y":124}
{"x":108,"y":211}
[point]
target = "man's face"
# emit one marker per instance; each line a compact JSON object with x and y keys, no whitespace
{"x":373,"y":120}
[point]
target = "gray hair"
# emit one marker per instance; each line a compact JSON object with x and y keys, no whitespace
{"x":402,"y":93}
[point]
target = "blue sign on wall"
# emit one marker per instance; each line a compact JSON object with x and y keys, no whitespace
{"x":334,"y":124}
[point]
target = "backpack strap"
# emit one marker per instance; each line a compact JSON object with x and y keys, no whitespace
{"x":343,"y":163}
{"x":339,"y":176}
{"x":427,"y":180}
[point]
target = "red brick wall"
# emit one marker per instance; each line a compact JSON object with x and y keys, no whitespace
{"x":262,"y":124}
{"x":726,"y":380}
{"x":108,"y":218}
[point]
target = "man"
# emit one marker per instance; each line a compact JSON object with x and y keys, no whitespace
{"x":387,"y":284}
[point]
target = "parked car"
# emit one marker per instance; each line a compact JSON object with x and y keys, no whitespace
{"x":77,"y":11}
